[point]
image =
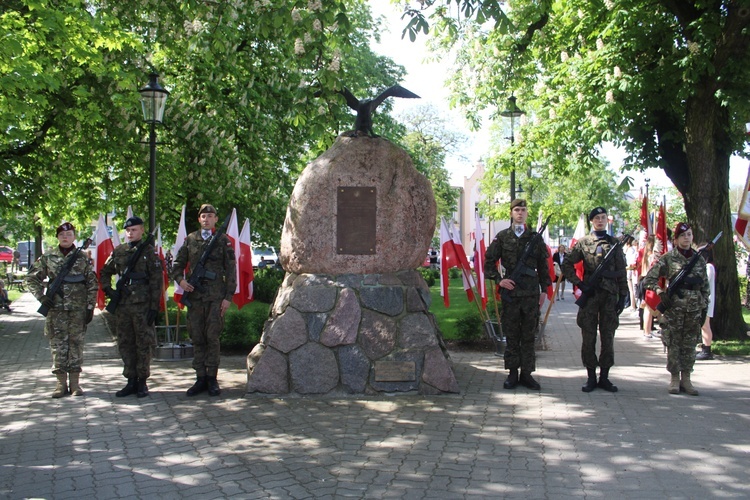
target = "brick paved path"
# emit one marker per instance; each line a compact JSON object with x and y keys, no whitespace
{"x":484,"y":443}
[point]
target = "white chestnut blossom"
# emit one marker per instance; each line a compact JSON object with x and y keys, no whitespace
{"x":610,"y":97}
{"x":617,"y":72}
{"x":296,"y":16}
{"x":563,"y":56}
{"x":317,"y":26}
{"x":299,"y":47}
{"x":599,"y":44}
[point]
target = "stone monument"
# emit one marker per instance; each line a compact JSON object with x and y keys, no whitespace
{"x":351,"y":316}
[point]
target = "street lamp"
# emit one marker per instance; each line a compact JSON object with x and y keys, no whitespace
{"x":153,"y":101}
{"x":512,"y":112}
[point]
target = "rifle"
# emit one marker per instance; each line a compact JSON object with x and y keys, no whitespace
{"x":55,"y":288}
{"x":199,"y":271}
{"x":676,"y":284}
{"x":521,"y":267}
{"x":116,"y":297}
{"x":592,"y":281}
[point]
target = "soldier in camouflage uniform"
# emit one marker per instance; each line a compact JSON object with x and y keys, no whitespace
{"x":205,"y":317}
{"x":686,"y":311}
{"x":70,"y":312}
{"x":138,"y":307}
{"x":606,"y":298}
{"x":520,"y":316}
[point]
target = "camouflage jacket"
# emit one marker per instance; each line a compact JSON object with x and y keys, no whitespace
{"x":221,"y":261}
{"x":79,"y":286}
{"x":695,"y":293}
{"x":144,"y":284}
{"x":591,"y":250}
{"x":507,"y":248}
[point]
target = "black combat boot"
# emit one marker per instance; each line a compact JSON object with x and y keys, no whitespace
{"x":590,"y":384}
{"x":142,"y":388}
{"x":213,"y":387}
{"x":199,"y":386}
{"x":604,"y":382}
{"x":704,"y":354}
{"x":512,"y":381}
{"x":130,"y":388}
{"x":528,"y":381}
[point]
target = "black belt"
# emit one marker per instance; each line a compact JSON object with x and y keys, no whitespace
{"x":76,"y":278}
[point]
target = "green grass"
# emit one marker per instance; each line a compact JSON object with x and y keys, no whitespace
{"x":448,"y":317}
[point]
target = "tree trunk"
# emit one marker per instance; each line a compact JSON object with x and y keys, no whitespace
{"x":707,"y":204}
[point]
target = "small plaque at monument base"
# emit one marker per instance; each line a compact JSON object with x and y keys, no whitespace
{"x":395,"y":371}
{"x":356,"y":210}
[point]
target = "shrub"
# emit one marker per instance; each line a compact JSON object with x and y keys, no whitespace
{"x":454,"y":273}
{"x":469,"y":327}
{"x":267,"y":283}
{"x":428,"y":275}
{"x":243,"y":328}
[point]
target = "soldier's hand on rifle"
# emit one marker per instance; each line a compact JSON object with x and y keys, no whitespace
{"x":47,"y":302}
{"x":507,"y":283}
{"x":665,"y":299}
{"x":151,"y":317}
{"x":186,"y":286}
{"x":89,"y":315}
{"x":582,"y":286}
{"x":620,"y":304}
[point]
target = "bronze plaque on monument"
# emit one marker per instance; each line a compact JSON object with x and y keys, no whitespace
{"x":356,"y":209}
{"x":395,"y":371}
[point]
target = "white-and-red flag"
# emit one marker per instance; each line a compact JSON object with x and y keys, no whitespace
{"x":579,"y":233}
{"x":742,"y":224}
{"x":245,"y":268}
{"x":104,"y":248}
{"x":448,"y":259}
{"x":233,"y":233}
{"x":479,"y":251}
{"x":645,"y":217}
{"x":550,"y":263}
{"x":178,"y":242}
{"x":464,"y":265}
{"x":164,"y":277}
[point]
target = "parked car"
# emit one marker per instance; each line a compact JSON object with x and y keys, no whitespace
{"x":6,"y":254}
{"x":28,"y":253}
{"x":267,"y":255}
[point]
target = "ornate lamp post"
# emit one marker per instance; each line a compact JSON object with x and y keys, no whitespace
{"x":153,"y":101}
{"x":512,"y":112}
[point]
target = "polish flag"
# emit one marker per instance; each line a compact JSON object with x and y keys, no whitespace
{"x":164,"y":277}
{"x":645,"y":219}
{"x":178,"y":242}
{"x":550,"y":263}
{"x":448,"y":259}
{"x":104,"y":248}
{"x":479,"y":252}
{"x":579,"y":233}
{"x":741,"y":225}
{"x":465,"y":266}
{"x":245,"y":278}
{"x":661,"y":232}
{"x":233,"y":233}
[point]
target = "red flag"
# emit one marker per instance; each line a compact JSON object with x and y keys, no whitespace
{"x":448,"y":259}
{"x":550,"y":263}
{"x":178,"y":242}
{"x":245,"y":267}
{"x":661,"y":232}
{"x":104,"y":248}
{"x":645,"y":219}
{"x":479,"y":252}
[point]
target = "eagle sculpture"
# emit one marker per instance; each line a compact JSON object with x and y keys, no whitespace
{"x":364,"y":109}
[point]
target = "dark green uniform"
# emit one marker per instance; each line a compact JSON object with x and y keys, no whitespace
{"x":65,"y":326}
{"x":135,"y":337}
{"x":600,"y":311}
{"x":520,"y":317}
{"x":204,"y":318}
{"x":681,"y":323}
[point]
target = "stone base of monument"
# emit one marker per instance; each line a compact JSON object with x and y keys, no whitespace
{"x":351,"y":334}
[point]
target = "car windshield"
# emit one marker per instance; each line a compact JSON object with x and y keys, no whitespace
{"x":267,"y":252}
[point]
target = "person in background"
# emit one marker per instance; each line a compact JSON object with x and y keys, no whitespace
{"x":558,"y":258}
{"x":631,"y":259}
{"x":685,"y":311}
{"x":69,"y":311}
{"x":645,"y":261}
{"x":706,"y":333}
{"x":4,"y":300}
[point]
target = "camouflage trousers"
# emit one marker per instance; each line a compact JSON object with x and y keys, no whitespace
{"x":65,"y":331}
{"x":205,"y":324}
{"x":599,"y":313}
{"x":680,"y":332}
{"x":520,"y":320}
{"x":135,"y":340}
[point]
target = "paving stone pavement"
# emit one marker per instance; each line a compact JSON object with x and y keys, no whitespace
{"x":486,"y":442}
